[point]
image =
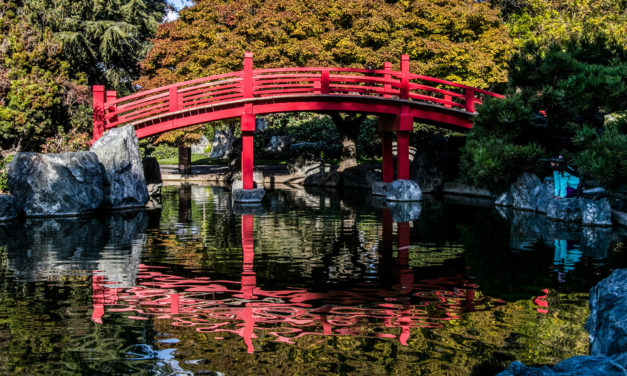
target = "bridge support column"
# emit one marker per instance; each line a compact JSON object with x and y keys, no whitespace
{"x":387,"y":169}
{"x":247,"y":123}
{"x":402,"y":155}
{"x":387,"y":126}
{"x":247,"y":160}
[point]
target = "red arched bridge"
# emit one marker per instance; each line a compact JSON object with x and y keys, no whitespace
{"x":398,"y":97}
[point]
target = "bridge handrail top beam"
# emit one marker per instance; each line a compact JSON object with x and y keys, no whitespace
{"x":299,"y":96}
{"x":414,"y":76}
{"x":236,"y":75}
{"x":326,"y":69}
{"x":260,"y":72}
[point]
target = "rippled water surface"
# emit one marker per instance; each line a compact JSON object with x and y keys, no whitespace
{"x":310,"y":282}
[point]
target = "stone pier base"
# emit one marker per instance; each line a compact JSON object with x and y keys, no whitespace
{"x":248,"y":195}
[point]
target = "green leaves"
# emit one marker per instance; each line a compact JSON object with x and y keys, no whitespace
{"x":464,"y":41}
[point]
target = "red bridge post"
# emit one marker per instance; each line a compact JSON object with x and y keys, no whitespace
{"x":111,"y":97}
{"x":387,"y":126}
{"x":98,"y":103}
{"x":247,"y":123}
{"x":406,"y":124}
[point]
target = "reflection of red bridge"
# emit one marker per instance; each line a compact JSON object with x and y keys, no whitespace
{"x":244,"y":309}
{"x":399,"y":96}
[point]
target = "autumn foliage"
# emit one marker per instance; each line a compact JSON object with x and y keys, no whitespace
{"x":463,"y":41}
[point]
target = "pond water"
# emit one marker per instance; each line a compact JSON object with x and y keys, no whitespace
{"x":310,"y":282}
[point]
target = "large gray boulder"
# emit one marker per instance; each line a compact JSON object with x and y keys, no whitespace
{"x":57,"y":184}
{"x":526,"y":193}
{"x":596,"y":212}
{"x":9,"y":208}
{"x":607,"y":324}
{"x":403,"y":190}
{"x":564,"y":209}
{"x":125,"y":185}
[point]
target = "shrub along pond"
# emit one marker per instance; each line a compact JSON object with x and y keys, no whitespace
{"x":309,"y":282}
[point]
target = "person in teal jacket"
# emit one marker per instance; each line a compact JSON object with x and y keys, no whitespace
{"x":566,"y":182}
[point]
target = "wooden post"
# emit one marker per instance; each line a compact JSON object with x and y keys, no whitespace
{"x":111,"y":97}
{"x":387,"y":77}
{"x":98,"y":102}
{"x":324,"y":82}
{"x":247,"y":78}
{"x":470,"y":100}
{"x":404,"y":77}
{"x":447,"y":98}
{"x":173,"y":99}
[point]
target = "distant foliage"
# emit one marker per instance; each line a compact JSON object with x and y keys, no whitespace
{"x":3,"y":173}
{"x":463,"y":41}
{"x":164,"y":151}
{"x":558,"y":99}
{"x":543,"y":23}
{"x":62,"y":142}
{"x":317,"y":130}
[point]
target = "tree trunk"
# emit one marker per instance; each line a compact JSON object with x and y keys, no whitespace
{"x":348,"y":126}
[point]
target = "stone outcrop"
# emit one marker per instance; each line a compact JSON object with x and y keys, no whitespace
{"x":564,"y":209}
{"x":222,"y":143}
{"x":607,"y":326}
{"x":607,"y":323}
{"x":403,"y":190}
{"x":532,"y":194}
{"x":279,"y":144}
{"x":154,"y":183}
{"x":527,"y":193}
{"x":596,"y":212}
{"x":118,"y":151}
{"x":359,"y":177}
{"x":9,"y":208}
{"x":248,"y":196}
{"x":152,"y":174}
{"x":57,"y":184}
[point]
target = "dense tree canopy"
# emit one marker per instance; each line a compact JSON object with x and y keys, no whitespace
{"x":49,"y":52}
{"x":546,"y":22}
{"x":103,"y":39}
{"x":458,"y":40}
{"x":560,"y":101}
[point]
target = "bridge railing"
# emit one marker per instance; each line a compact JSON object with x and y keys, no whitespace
{"x":281,"y":82}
